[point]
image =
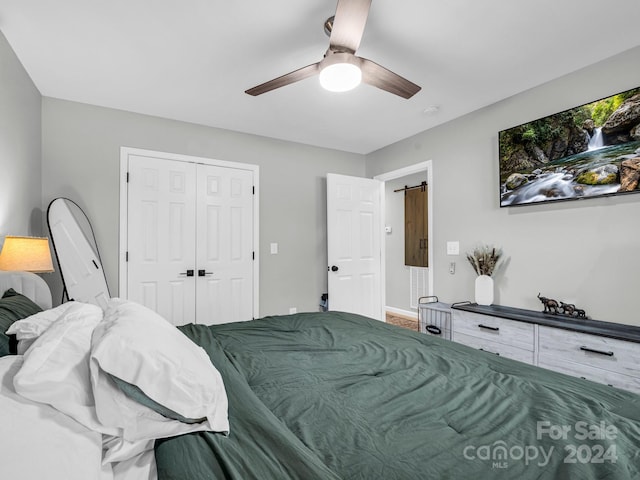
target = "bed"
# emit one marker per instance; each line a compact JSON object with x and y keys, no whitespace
{"x":338,"y":396}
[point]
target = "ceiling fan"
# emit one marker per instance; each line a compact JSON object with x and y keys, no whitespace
{"x":345,"y":31}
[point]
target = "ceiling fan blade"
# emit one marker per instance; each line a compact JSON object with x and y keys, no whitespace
{"x":348,"y":25}
{"x":287,"y":79}
{"x":380,"y":77}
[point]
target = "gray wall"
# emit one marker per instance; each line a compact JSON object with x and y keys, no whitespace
{"x":586,"y":252}
{"x":20,"y":180}
{"x":81,"y":160}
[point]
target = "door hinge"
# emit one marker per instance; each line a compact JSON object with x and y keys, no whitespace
{"x":253,"y":190}
{"x":127,"y":177}
{"x":253,"y":255}
{"x":126,"y":256}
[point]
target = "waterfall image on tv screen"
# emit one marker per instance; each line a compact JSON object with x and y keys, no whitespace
{"x":584,"y":152}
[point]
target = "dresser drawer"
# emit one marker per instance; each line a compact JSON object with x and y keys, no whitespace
{"x":495,"y":329}
{"x":594,"y":351}
{"x":496,"y":348}
{"x":607,"y":377}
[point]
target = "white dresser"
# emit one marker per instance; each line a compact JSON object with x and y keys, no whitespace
{"x":604,"y":352}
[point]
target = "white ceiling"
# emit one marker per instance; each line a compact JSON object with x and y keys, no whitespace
{"x":192,"y":60}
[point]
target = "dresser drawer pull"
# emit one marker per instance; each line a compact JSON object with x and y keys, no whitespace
{"x":493,"y":329}
{"x":587,"y":349}
{"x":483,"y":350}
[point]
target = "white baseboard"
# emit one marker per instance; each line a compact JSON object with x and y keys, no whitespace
{"x":400,"y":311}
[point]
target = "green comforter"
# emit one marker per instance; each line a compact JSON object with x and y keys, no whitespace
{"x":338,"y":396}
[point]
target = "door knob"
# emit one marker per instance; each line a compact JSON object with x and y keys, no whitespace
{"x":334,"y":268}
{"x":202,"y":273}
{"x":188,"y":273}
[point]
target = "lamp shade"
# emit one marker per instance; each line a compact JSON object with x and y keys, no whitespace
{"x":27,"y":254}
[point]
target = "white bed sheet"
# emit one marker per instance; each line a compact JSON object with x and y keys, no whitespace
{"x":37,"y":441}
{"x":140,"y":467}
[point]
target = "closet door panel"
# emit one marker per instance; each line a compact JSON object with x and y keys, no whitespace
{"x":224,"y":233}
{"x":161,"y":249}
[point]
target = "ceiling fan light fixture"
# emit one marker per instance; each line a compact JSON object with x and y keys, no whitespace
{"x":340,"y":77}
{"x":340,"y":69}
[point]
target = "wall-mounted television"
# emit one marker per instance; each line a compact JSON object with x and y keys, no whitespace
{"x":588,"y":151}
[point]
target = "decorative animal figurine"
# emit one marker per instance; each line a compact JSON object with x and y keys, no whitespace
{"x":550,"y":305}
{"x":555,"y":307}
{"x":568,"y":308}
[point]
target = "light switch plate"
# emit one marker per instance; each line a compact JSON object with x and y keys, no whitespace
{"x":453,"y":248}
{"x":274,"y":248}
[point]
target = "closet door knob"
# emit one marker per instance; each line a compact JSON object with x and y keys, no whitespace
{"x":334,"y":268}
{"x":188,"y":273}
{"x":202,"y":273}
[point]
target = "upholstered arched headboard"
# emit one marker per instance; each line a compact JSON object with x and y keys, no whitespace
{"x":28,"y":284}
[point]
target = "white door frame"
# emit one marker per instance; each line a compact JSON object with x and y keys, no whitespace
{"x":426,"y":166}
{"x":125,"y":152}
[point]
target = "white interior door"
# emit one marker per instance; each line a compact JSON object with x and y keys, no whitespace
{"x":161,"y":246}
{"x":354,"y":238}
{"x":224,"y":286}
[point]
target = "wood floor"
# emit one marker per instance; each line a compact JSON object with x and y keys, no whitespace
{"x":402,"y":321}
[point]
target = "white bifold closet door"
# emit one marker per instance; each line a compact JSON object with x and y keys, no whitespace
{"x":190,"y":240}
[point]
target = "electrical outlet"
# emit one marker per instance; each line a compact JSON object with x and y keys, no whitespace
{"x":293,"y":310}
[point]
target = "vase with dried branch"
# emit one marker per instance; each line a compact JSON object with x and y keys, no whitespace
{"x":484,"y":260}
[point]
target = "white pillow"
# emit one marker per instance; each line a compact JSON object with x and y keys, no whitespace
{"x":137,"y":346}
{"x":29,"y":329}
{"x":55,"y":370}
